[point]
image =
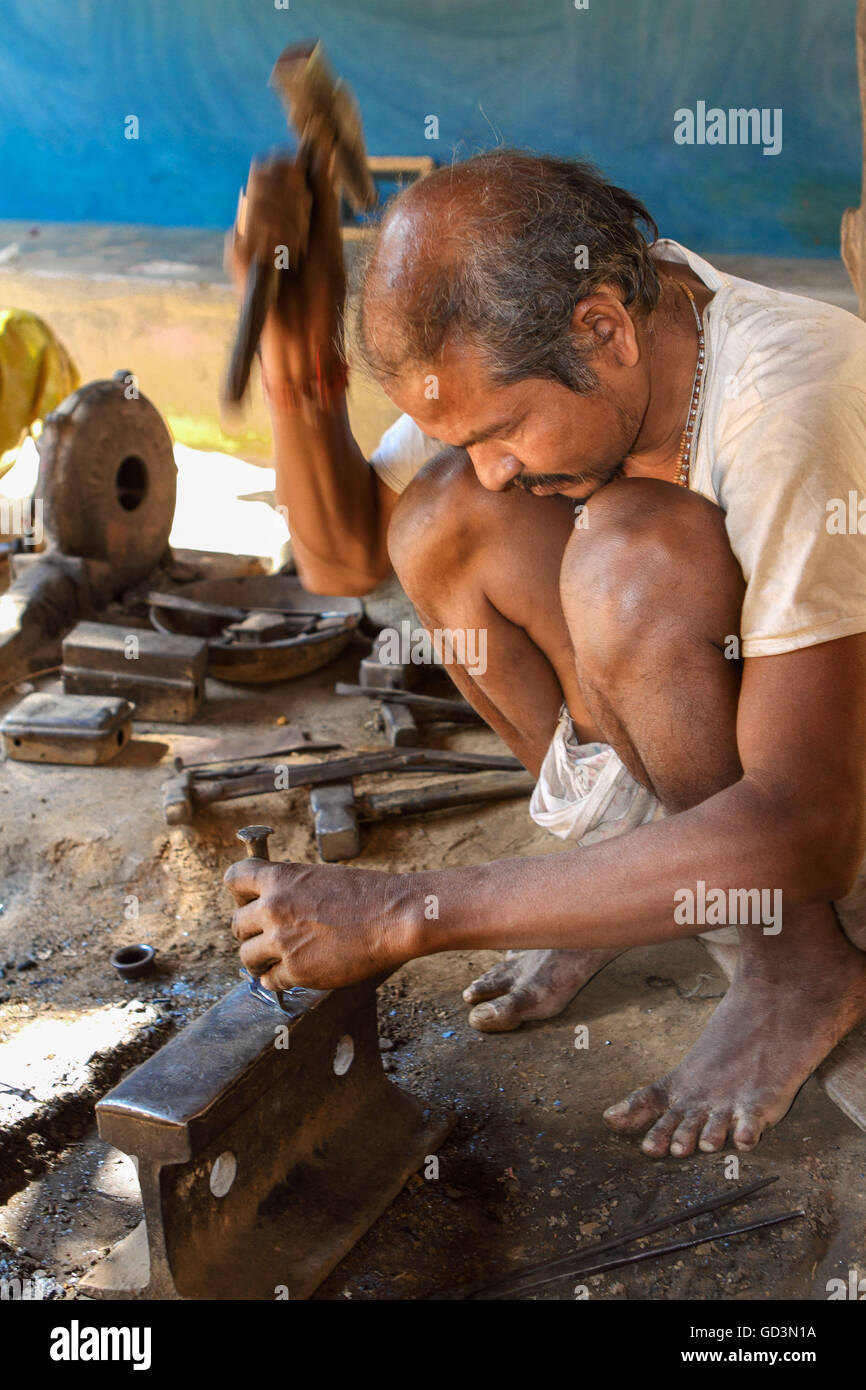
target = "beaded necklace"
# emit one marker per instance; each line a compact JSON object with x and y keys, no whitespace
{"x":684,"y":459}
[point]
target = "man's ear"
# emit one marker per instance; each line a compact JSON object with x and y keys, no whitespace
{"x":601,"y":320}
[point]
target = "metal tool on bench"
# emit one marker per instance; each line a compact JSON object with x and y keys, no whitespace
{"x":433,"y":709}
{"x":85,"y":730}
{"x":338,"y":812}
{"x":266,"y":1144}
{"x":163,"y":674}
{"x":259,"y":627}
{"x":382,"y":677}
{"x":195,"y":787}
{"x":323,"y":112}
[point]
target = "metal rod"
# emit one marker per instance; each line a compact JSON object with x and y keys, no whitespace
{"x":637,"y":1256}
{"x":236,"y":612}
{"x":398,"y":760}
{"x":458,"y":710}
{"x":445,"y":796}
{"x":649,"y":1228}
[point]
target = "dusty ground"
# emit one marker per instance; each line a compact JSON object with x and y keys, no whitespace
{"x":529,"y":1170}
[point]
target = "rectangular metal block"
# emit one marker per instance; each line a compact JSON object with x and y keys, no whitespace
{"x":261,"y":627}
{"x":54,"y":728}
{"x":374,"y":673}
{"x":162,"y":673}
{"x":335,"y":823}
{"x":399,"y":725}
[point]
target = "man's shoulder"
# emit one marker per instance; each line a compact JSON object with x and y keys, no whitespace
{"x":785,"y":335}
{"x":402,"y":452}
{"x":762,"y":310}
{"x":785,"y":397}
{"x":782,"y":343}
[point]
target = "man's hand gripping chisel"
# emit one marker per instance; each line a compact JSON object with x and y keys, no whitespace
{"x":325,"y":116}
{"x":255,"y":841}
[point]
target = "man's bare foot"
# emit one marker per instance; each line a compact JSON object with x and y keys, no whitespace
{"x":765,"y":1039}
{"x":530,"y":985}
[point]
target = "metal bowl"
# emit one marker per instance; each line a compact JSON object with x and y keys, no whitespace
{"x":255,"y":664}
{"x":131,"y":962}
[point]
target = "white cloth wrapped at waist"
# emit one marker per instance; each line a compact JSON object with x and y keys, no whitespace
{"x":586,"y":793}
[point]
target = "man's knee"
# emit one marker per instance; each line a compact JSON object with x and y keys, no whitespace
{"x":648,"y":560}
{"x":434,"y":528}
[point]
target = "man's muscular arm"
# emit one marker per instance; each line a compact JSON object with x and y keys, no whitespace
{"x":338,"y":507}
{"x":794,"y":822}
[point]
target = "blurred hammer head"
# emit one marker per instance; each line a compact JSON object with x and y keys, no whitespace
{"x":320,"y":106}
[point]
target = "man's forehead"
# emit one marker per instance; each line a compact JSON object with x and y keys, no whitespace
{"x":456,"y":400}
{"x":417,"y":236}
{"x":398,"y":241}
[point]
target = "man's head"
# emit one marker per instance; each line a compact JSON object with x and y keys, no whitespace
{"x":501,"y":309}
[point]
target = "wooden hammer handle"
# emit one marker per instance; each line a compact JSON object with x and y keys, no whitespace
{"x":261,"y":290}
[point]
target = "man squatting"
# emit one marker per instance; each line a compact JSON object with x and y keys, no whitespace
{"x":707,"y":423}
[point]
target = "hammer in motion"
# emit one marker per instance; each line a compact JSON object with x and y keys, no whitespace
{"x":325,"y":116}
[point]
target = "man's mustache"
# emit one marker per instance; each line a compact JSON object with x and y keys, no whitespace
{"x":527,"y":481}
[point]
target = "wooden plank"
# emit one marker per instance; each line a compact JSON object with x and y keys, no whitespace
{"x":417,"y":164}
{"x":843,"y":1075}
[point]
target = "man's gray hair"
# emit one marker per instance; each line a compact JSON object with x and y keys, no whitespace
{"x":499,"y":250}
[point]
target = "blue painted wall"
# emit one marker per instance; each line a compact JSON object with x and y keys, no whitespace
{"x":603,"y":82}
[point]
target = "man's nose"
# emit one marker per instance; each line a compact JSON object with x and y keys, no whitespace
{"x":494,"y":466}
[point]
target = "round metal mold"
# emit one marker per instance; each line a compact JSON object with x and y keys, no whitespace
{"x":131,"y":962}
{"x":108,"y":478}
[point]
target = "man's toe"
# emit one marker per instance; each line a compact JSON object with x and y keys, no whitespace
{"x":502,"y":1014}
{"x":489,"y":985}
{"x":685,"y":1137}
{"x":657,"y":1142}
{"x":747,"y":1131}
{"x":632,"y":1115}
{"x":715,"y":1131}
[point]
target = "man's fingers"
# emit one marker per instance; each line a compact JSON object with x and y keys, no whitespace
{"x":277,"y":978}
{"x":258,"y":956}
{"x":275,"y":211}
{"x":272,"y":179}
{"x":244,"y":880}
{"x":247,"y":921}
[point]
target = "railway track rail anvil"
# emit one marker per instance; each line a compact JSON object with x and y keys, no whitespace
{"x":267,"y":1142}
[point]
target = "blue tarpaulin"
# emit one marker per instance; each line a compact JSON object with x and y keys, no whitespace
{"x":603,"y":82}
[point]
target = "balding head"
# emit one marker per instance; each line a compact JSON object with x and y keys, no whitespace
{"x":494,"y":254}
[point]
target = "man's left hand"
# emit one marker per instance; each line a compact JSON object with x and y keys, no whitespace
{"x":316,"y":925}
